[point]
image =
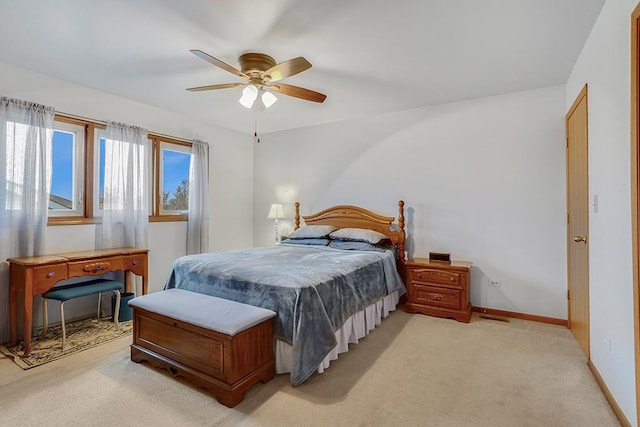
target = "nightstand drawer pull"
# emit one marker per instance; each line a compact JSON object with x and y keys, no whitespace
{"x":50,"y":274}
{"x":436,"y":297}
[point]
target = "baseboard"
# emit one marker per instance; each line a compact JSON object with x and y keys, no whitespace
{"x":523,"y":316}
{"x":603,"y":386}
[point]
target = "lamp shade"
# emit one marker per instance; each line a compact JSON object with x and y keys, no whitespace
{"x":276,"y":211}
{"x":268,"y":99}
{"x":249,"y":95}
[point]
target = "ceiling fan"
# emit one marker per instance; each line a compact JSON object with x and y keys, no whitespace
{"x":262,"y":77}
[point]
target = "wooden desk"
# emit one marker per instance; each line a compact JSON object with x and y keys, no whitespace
{"x":31,"y":276}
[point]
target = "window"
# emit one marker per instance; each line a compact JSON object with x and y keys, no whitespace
{"x":77,"y":187}
{"x":67,"y":175}
{"x":173,"y":175}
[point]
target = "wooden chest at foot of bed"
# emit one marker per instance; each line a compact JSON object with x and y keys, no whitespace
{"x":223,"y":346}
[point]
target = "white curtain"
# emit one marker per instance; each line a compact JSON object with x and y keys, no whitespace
{"x":125,"y":215}
{"x":26,"y":135}
{"x":198,"y":225}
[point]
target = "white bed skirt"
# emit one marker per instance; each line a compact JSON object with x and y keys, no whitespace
{"x":354,"y":328}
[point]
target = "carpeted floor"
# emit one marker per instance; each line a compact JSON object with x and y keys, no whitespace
{"x":412,"y":370}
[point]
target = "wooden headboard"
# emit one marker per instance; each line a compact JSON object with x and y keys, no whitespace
{"x":344,"y":216}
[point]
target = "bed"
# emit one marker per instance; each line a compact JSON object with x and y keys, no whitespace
{"x":326,"y":293}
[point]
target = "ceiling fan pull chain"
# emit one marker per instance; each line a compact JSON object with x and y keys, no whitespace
{"x":255,"y":131}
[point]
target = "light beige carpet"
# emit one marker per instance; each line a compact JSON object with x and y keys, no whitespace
{"x":412,"y":370}
{"x":80,"y":335}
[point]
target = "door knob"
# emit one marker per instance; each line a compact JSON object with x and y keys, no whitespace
{"x":579,"y":239}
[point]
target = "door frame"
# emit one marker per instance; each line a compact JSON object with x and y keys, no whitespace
{"x":582,"y":95}
{"x":635,"y":196}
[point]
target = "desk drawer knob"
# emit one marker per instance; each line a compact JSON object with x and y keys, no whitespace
{"x":50,"y":274}
{"x":96,"y":267}
{"x":134,"y":262}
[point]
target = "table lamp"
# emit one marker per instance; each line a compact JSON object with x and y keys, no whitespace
{"x":276,"y":213}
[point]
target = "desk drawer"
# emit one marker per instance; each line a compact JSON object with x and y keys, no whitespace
{"x":94,"y":267}
{"x":135,"y":263}
{"x":46,"y":276}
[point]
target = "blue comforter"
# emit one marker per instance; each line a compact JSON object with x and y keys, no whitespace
{"x":313,"y":290}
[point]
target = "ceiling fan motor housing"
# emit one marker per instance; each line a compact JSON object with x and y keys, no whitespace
{"x":254,"y":64}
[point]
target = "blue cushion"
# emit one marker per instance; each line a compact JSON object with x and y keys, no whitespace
{"x":76,"y":290}
{"x":213,"y":313}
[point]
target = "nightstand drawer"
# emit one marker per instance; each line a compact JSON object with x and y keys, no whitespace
{"x":436,"y":296}
{"x":435,"y":276}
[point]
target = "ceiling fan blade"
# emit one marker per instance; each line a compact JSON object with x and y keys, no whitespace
{"x":218,"y":63}
{"x":214,"y":87}
{"x":298,"y":92}
{"x":286,"y":69}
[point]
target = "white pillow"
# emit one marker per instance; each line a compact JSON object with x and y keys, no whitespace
{"x":358,"y":234}
{"x":312,"y":232}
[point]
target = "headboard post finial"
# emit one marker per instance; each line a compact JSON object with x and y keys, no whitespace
{"x":297,"y":218}
{"x":402,"y":232}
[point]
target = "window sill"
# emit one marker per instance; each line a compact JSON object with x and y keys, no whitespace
{"x":168,"y":218}
{"x":71,"y":220}
{"x":76,"y":220}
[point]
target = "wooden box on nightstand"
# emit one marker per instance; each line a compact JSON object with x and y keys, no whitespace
{"x":438,"y":288}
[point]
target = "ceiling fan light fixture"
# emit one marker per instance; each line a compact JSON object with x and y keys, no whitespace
{"x":259,"y":71}
{"x":268,"y":99}
{"x":249,"y":95}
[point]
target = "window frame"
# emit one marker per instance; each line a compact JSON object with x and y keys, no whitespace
{"x":95,"y":199}
{"x":160,"y":142}
{"x":81,"y":173}
{"x":78,"y":170}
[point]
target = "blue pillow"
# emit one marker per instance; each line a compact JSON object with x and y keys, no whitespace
{"x":357,"y":246}
{"x":317,"y":242}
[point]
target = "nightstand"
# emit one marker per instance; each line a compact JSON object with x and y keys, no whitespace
{"x":438,"y":288}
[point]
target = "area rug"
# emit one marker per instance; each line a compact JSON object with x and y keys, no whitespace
{"x":81,"y":335}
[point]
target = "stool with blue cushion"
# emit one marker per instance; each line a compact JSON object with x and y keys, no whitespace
{"x":77,"y":290}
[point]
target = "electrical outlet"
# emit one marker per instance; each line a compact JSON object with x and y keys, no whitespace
{"x":494,"y":283}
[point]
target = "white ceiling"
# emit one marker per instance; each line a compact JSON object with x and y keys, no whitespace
{"x":368,"y":56}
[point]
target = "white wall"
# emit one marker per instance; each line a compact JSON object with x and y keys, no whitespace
{"x":231,"y":171}
{"x":604,"y":64}
{"x":483,"y":179}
